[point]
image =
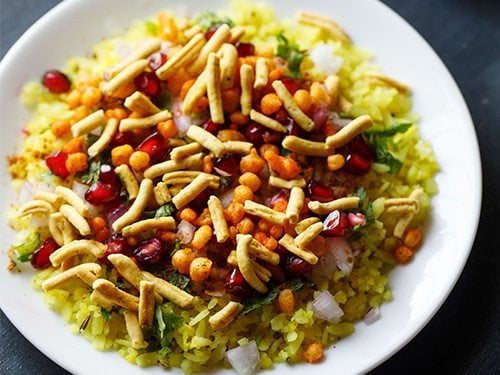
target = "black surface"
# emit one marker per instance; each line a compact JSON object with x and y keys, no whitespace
{"x":464,"y":336}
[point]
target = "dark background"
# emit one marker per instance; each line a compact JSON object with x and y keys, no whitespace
{"x":464,"y":336}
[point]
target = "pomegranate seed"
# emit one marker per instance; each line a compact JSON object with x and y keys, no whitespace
{"x":99,"y":193}
{"x":295,"y":266}
{"x":156,"y":60}
{"x":293,"y":127}
{"x":229,"y":164}
{"x":359,"y":146}
{"x":56,"y":81}
{"x":336,"y":224}
{"x":57,"y":163}
{"x":149,"y":252}
{"x":107,"y":175}
{"x":291,"y":84}
{"x":211,"y":127}
{"x":210,"y":32}
{"x":154,"y":146}
{"x":281,"y":116}
{"x":236,"y":284}
{"x":114,"y":210}
{"x":254,"y":133}
{"x":116,"y":244}
{"x":279,"y":196}
{"x":148,"y":83}
{"x":277,"y":272}
{"x":271,"y":136}
{"x":245,"y":49}
{"x":356,"y":164}
{"x":281,"y":250}
{"x":320,"y":192}
{"x":40,"y":258}
{"x":123,"y":139}
{"x":200,"y":202}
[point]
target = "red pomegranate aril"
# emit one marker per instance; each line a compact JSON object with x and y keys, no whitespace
{"x":320,"y":192}
{"x":229,"y":164}
{"x":359,"y":146}
{"x":210,"y":32}
{"x":148,"y":83}
{"x":254,"y":133}
{"x":295,"y":266}
{"x":236,"y":284}
{"x":56,"y":81}
{"x":211,"y":127}
{"x":336,"y":224}
{"x":245,"y":49}
{"x":291,"y":84}
{"x":149,"y":252}
{"x":154,"y":145}
{"x":281,"y":116}
{"x":116,"y":244}
{"x":156,"y":60}
{"x":40,"y":258}
{"x":293,"y":127}
{"x":273,"y":137}
{"x":99,"y":193}
{"x":107,"y":175}
{"x":114,"y":210}
{"x":277,"y":272}
{"x":123,"y":139}
{"x":356,"y":164}
{"x":57,"y":163}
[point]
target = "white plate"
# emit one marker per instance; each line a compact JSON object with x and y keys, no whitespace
{"x":419,"y":288}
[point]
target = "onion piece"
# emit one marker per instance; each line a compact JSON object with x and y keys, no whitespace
{"x":334,"y":117}
{"x":325,"y":307}
{"x":327,"y":264}
{"x":372,"y":316}
{"x":222,"y":172}
{"x":244,"y":358}
{"x":182,"y":121}
{"x":356,"y":219}
{"x":79,"y":189}
{"x":39,"y":221}
{"x":325,"y":60}
{"x":342,"y":252}
{"x":227,"y":197}
{"x":185,"y":232}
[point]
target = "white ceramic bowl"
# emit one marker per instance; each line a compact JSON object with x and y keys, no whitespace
{"x":419,"y":288}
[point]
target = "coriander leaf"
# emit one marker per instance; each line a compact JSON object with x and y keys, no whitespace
{"x":177,"y":246}
{"x":208,"y":20}
{"x":164,"y":101}
{"x":389,"y":132}
{"x":361,"y":194}
{"x":385,"y":157}
{"x":179,"y":280}
{"x":29,"y":245}
{"x":256,"y":303}
{"x":345,"y":115}
{"x":289,"y":51}
{"x":105,"y":314}
{"x":168,"y":209}
{"x":224,"y":182}
{"x":91,"y":139}
{"x":91,"y":175}
{"x":166,"y":323}
{"x":369,"y":214}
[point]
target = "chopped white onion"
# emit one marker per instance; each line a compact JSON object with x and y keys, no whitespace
{"x":325,"y":307}
{"x":372,"y":316}
{"x":165,"y":47}
{"x":342,"y":252}
{"x":26,"y":193}
{"x":244,"y":359}
{"x":334,"y":117}
{"x":227,"y":197}
{"x":122,"y":50}
{"x":222,"y":172}
{"x":39,"y":221}
{"x":325,"y":60}
{"x":185,"y":232}
{"x":328,"y":264}
{"x":182,"y":122}
{"x":79,"y":189}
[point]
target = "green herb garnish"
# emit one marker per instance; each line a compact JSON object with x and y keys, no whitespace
{"x":168,"y":209}
{"x":378,"y":137}
{"x":91,"y":175}
{"x":289,"y":51}
{"x":256,"y":303}
{"x":166,"y":323}
{"x":29,"y":245}
{"x":178,"y":279}
{"x":208,"y":20}
{"x":105,"y":314}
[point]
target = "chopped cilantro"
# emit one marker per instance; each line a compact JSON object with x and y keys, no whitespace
{"x":91,"y":139}
{"x":256,"y":303}
{"x":168,"y":209}
{"x":164,"y":101}
{"x":166,"y":323}
{"x":208,"y":20}
{"x":91,"y":175}
{"x":29,"y":245}
{"x":177,"y":246}
{"x":289,"y":51}
{"x":378,"y":138}
{"x":224,"y":182}
{"x":105,"y":313}
{"x":178,"y":279}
